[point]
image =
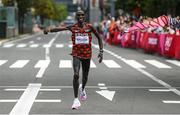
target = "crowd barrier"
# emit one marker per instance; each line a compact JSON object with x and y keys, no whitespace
{"x":167,"y":45}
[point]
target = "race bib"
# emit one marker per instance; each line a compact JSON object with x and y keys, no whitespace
{"x":82,"y":40}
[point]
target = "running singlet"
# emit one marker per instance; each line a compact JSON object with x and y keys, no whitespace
{"x":81,"y":39}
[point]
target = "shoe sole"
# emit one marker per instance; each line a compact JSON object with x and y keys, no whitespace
{"x":75,"y":108}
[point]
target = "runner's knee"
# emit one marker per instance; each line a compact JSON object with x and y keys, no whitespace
{"x":76,"y":76}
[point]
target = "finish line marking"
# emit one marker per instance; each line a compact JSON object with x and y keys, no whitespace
{"x":38,"y":100}
{"x":39,"y":89}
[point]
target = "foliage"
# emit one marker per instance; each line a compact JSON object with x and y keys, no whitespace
{"x":48,"y":9}
{"x":44,"y":8}
{"x":60,"y":12}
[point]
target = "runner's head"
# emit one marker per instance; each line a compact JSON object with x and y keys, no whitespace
{"x":80,"y":16}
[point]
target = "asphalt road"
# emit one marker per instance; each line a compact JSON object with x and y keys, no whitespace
{"x":36,"y":78}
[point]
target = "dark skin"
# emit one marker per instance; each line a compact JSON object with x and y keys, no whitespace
{"x":81,"y":22}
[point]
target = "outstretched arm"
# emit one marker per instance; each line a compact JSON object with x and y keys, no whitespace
{"x":100,"y":56}
{"x":56,"y":29}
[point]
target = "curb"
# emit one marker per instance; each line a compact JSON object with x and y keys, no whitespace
{"x":14,"y":38}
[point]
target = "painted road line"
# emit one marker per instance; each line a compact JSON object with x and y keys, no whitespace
{"x":65,"y":64}
{"x":103,"y":88}
{"x":105,"y":92}
{"x":21,"y":45}
{"x":49,"y":90}
{"x":101,"y":84}
{"x":135,"y":64}
{"x":31,"y":42}
{"x":175,"y":62}
{"x":47,"y":49}
{"x":42,"y":64}
{"x":171,"y":102}
{"x":38,"y":100}
{"x":157,"y":64}
{"x":24,"y":104}
{"x":8,"y":45}
{"x":48,"y":101}
{"x":19,"y":64}
{"x":46,"y":46}
{"x":47,"y":53}
{"x":111,"y":64}
{"x":3,"y":62}
{"x":92,"y":64}
{"x":59,"y":45}
{"x":34,"y":45}
{"x":159,"y":90}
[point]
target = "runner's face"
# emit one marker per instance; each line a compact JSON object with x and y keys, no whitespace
{"x":80,"y":17}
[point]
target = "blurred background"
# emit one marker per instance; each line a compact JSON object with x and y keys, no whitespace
{"x":29,"y":16}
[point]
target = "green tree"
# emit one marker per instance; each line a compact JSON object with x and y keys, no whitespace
{"x":44,"y":8}
{"x":60,"y":11}
{"x":47,"y":9}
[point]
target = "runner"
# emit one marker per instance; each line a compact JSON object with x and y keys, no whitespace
{"x":81,"y":53}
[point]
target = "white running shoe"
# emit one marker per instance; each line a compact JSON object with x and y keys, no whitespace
{"x":83,"y":95}
{"x":76,"y":104}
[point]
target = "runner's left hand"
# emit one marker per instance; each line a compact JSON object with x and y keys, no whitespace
{"x":100,"y":56}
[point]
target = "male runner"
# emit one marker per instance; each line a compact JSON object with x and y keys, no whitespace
{"x":81,"y":52}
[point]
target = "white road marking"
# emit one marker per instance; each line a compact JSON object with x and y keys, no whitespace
{"x":65,"y":64}
{"x":157,"y":64}
{"x":19,"y":64}
{"x":111,"y":64}
{"x":47,"y":53}
{"x":3,"y":62}
{"x":135,"y":64}
{"x":31,"y":42}
{"x":171,"y":102}
{"x":47,"y":50}
{"x":42,"y":64}
{"x":8,"y":45}
{"x":48,"y":101}
{"x":103,"y":88}
{"x":175,"y":62}
{"x":21,"y":45}
{"x":107,"y":94}
{"x":39,"y":90}
{"x":92,"y":64}
{"x":7,"y":100}
{"x":101,"y":84}
{"x":59,"y":45}
{"x":159,"y":90}
{"x":34,"y":45}
{"x":24,"y":104}
{"x":38,"y":100}
{"x":46,"y":46}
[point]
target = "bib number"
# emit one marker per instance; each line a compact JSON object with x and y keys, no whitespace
{"x":82,"y":40}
